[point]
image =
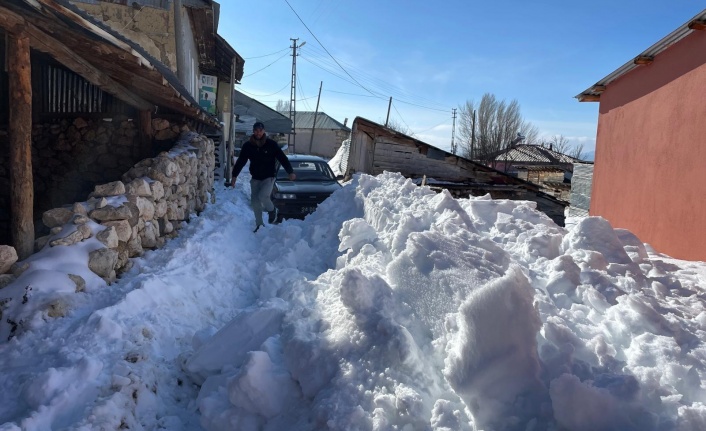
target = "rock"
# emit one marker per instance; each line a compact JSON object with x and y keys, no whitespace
{"x":70,"y":239}
{"x":79,"y":281}
{"x":109,"y":213}
{"x":6,"y":279}
{"x":85,"y":231}
{"x":57,"y":308}
{"x":57,"y":217}
{"x":102,"y":262}
{"x":8,"y":257}
{"x":122,"y":229}
{"x":139,"y":187}
{"x":109,"y":237}
{"x":80,"y":123}
{"x":116,"y":188}
{"x":81,"y":219}
{"x":160,"y":124}
{"x":19,"y":267}
{"x":79,"y":209}
{"x":56,"y":230}
{"x":41,"y":242}
{"x":157,"y":189}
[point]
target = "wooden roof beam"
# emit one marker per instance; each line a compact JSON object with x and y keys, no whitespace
{"x":643,"y":59}
{"x":697,"y":25}
{"x":63,"y":54}
{"x":589,"y":98}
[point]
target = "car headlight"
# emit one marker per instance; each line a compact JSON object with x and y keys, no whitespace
{"x":285,"y":196}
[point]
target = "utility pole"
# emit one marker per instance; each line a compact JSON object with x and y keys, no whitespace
{"x":311,"y":139}
{"x":473,"y":135}
{"x":293,"y":97}
{"x":389,"y":105}
{"x":453,"y":133}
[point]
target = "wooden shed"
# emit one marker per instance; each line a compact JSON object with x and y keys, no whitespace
{"x":375,"y":148}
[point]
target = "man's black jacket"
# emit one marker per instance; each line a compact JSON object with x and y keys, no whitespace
{"x":262,"y":159}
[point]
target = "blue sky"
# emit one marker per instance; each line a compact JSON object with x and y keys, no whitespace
{"x":431,"y":57}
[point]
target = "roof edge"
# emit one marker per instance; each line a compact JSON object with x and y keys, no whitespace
{"x":592,"y":93}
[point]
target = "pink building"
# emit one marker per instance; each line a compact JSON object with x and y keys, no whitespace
{"x":650,"y":163}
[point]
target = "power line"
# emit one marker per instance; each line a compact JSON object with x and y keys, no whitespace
{"x":383,"y":85}
{"x":266,"y":95}
{"x":251,"y":74}
{"x":400,"y":115}
{"x":267,"y":55}
{"x":322,"y":45}
{"x":378,"y":95}
{"x":353,"y":94}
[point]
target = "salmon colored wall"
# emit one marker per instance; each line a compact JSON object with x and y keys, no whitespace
{"x":650,"y":165}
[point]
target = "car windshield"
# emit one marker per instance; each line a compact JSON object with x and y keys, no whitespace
{"x":308,"y":171}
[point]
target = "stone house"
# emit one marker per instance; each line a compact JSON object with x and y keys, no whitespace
{"x":648,"y":172}
{"x":87,"y":113}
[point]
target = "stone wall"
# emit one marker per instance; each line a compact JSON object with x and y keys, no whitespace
{"x":138,"y":212}
{"x":143,"y":209}
{"x":70,"y":156}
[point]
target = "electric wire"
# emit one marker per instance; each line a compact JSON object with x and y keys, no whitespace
{"x":381,"y":84}
{"x":322,"y":45}
{"x":251,"y":74}
{"x":267,"y":55}
{"x":266,"y":95}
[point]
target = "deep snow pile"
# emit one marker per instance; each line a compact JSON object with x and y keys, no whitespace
{"x":391,"y":307}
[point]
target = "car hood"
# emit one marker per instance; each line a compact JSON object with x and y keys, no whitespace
{"x":307,"y":186}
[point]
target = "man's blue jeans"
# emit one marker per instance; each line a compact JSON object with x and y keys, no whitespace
{"x":260,"y":191}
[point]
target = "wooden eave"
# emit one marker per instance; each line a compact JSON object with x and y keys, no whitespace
{"x":110,"y":64}
{"x":589,"y":98}
{"x":204,"y":30}
{"x":643,"y":59}
{"x":697,"y":25}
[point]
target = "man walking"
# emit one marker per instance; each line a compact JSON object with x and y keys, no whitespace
{"x":263,"y":154}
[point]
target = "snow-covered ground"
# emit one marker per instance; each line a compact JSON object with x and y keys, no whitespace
{"x":390,"y":308}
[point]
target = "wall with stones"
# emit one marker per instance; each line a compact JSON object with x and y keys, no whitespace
{"x":70,"y":156}
{"x":140,"y":211}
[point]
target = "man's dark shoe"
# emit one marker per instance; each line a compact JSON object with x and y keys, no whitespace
{"x":257,"y":227}
{"x":272,"y":216}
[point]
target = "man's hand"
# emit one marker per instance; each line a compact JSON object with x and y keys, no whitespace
{"x":232,"y":182}
{"x":292,"y":177}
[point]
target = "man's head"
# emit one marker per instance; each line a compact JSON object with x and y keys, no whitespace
{"x":258,"y":129}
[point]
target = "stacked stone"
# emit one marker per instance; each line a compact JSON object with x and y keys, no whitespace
{"x":139,"y":212}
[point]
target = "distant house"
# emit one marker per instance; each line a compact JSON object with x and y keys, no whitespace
{"x":374,"y":148}
{"x":248,"y":111}
{"x":318,"y":134}
{"x":539,"y":165}
{"x":649,"y":164}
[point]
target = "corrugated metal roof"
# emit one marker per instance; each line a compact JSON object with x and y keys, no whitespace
{"x":667,"y":41}
{"x":252,"y":110}
{"x":533,"y":154}
{"x":305,"y":120}
{"x":104,"y":32}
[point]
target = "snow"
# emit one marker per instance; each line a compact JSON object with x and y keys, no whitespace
{"x":391,"y":307}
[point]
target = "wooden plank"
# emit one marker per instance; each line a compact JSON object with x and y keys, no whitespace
{"x":63,"y":54}
{"x":20,"y":127}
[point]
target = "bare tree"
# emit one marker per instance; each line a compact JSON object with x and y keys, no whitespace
{"x":283,"y":107}
{"x":398,"y":126}
{"x":559,"y":143}
{"x":497,"y":125}
{"x":577,"y":152}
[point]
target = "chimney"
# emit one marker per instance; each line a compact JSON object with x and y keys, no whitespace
{"x":345,"y":122}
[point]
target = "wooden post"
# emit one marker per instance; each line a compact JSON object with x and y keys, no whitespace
{"x":20,"y":123}
{"x":145,"y":125}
